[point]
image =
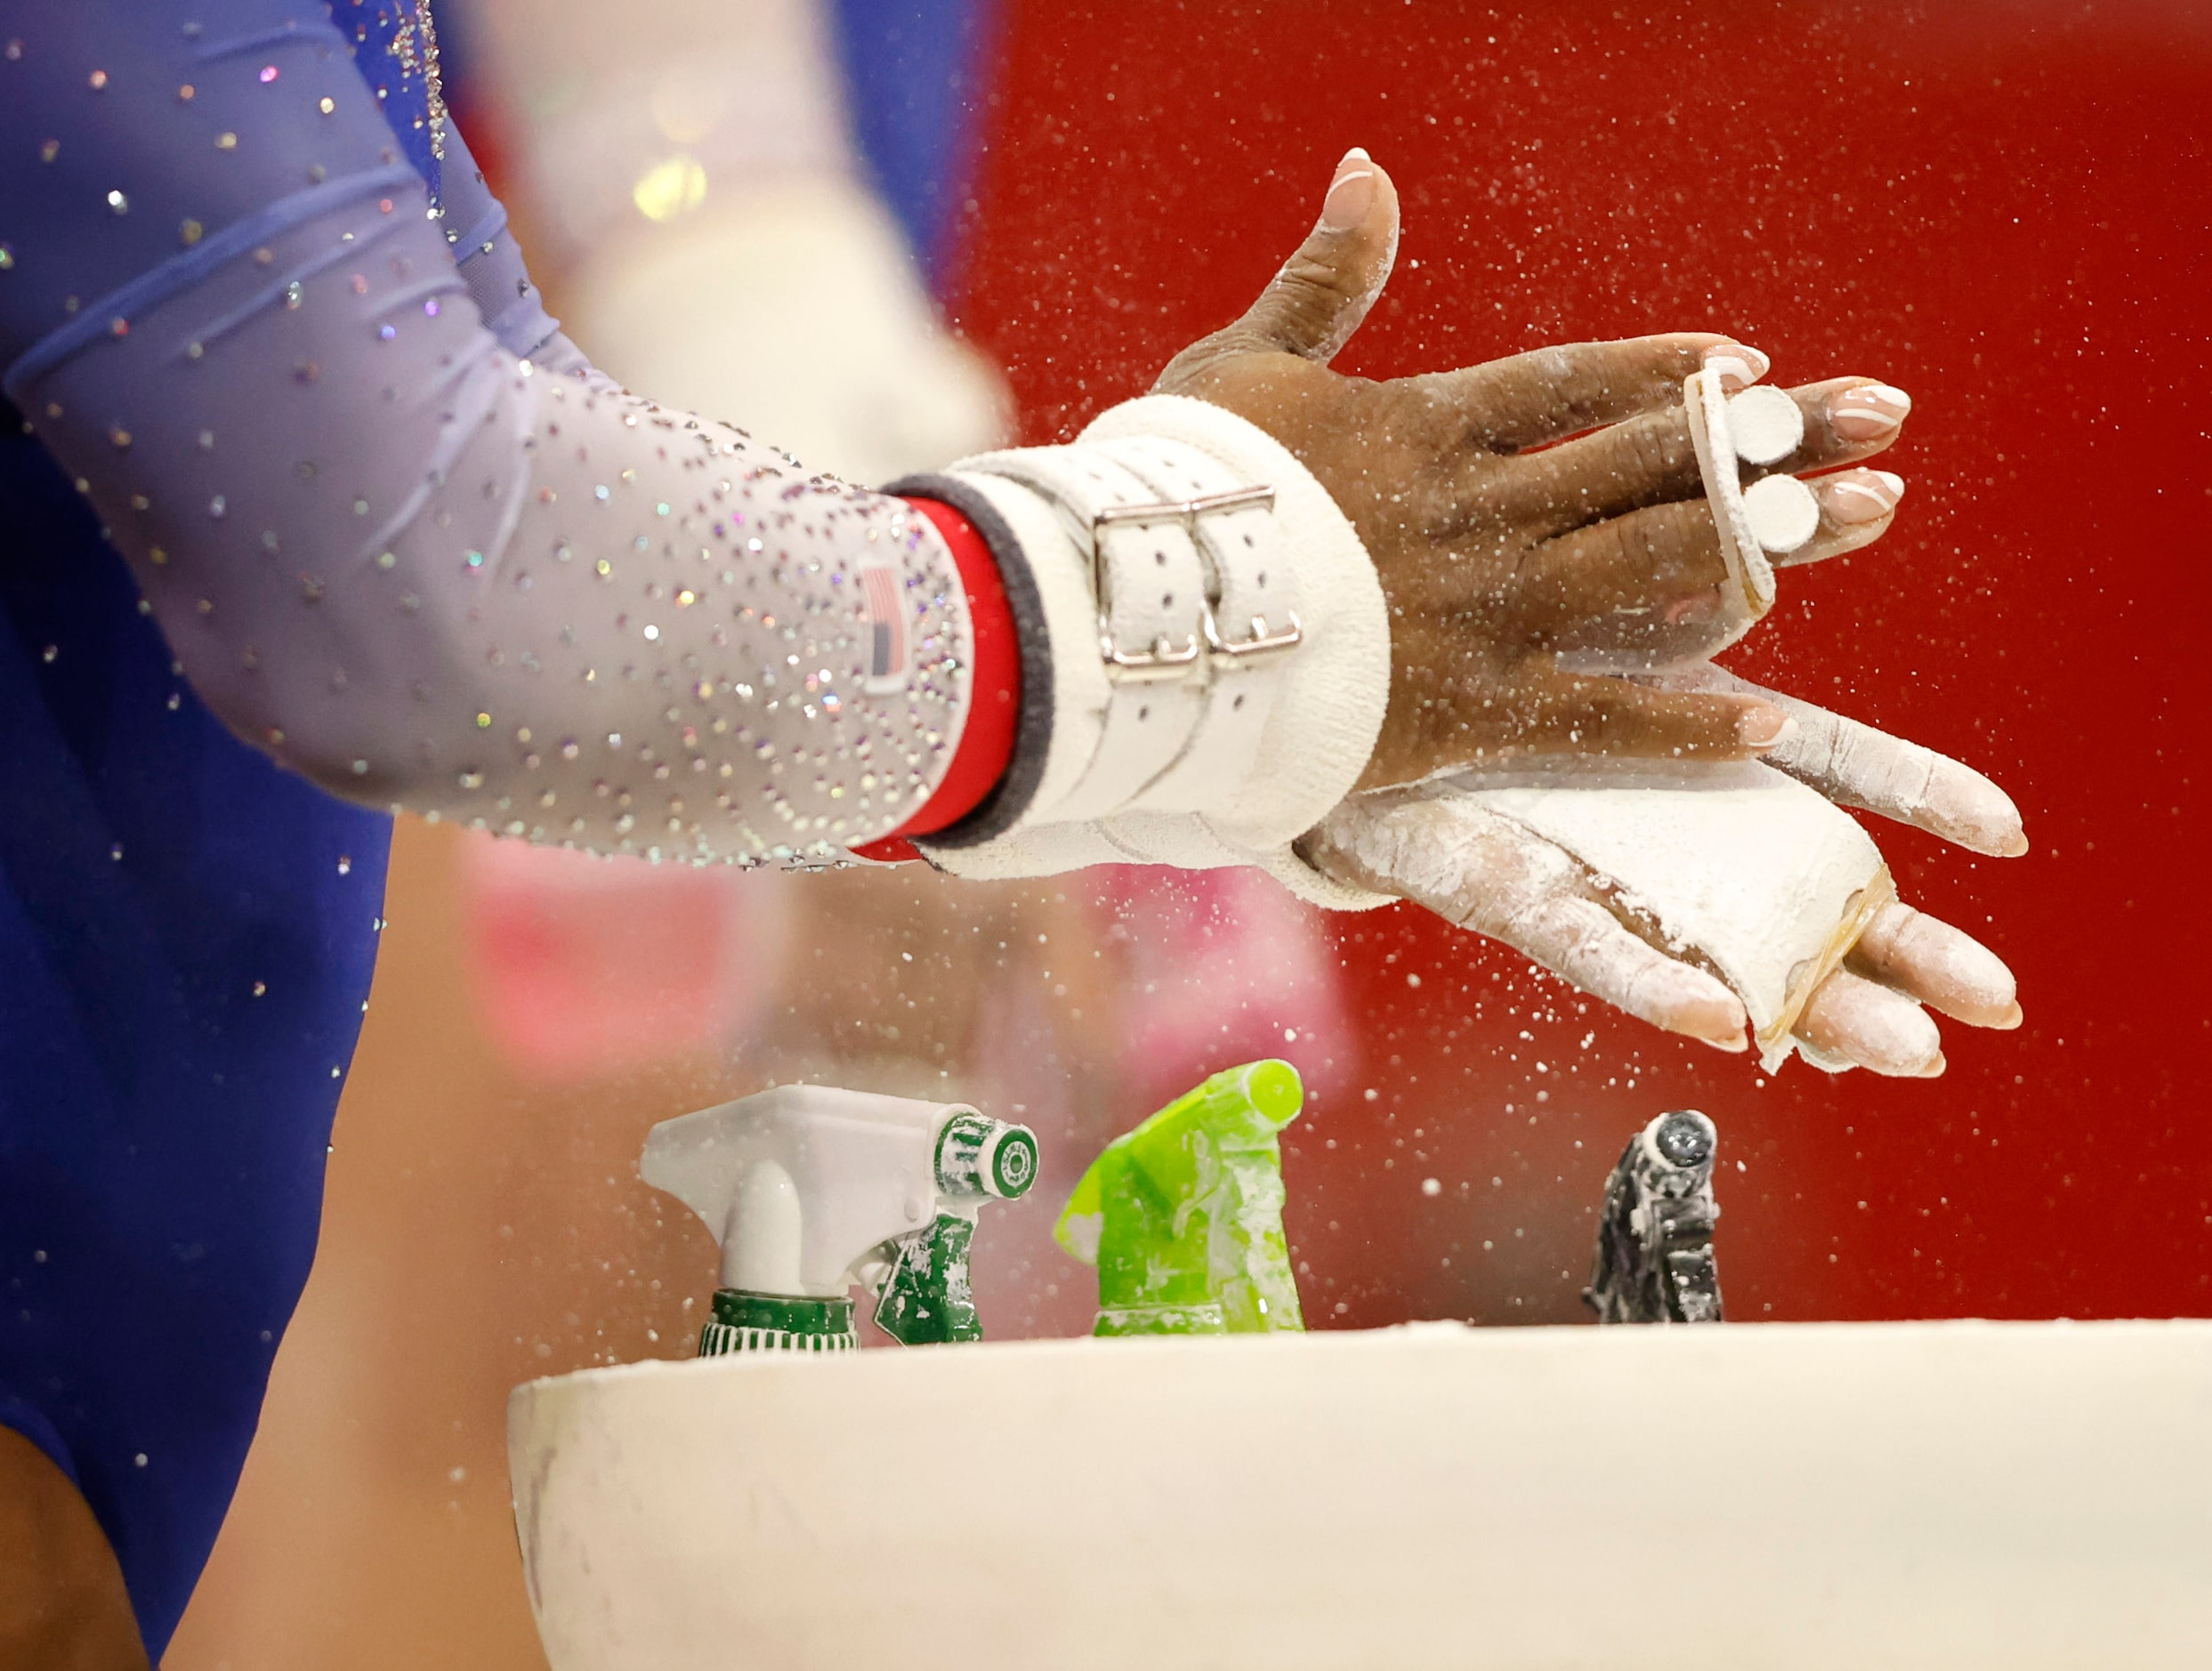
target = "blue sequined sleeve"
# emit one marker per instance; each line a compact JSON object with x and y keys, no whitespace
{"x":398,"y":532}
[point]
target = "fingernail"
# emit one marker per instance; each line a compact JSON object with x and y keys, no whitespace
{"x":1861,"y":496}
{"x":1738,"y":364}
{"x":1869,"y":412}
{"x":1933,"y":1069}
{"x":2011,"y":1019}
{"x":1759,"y":726}
{"x":1961,"y":805}
{"x":1350,"y":195}
{"x":1735,"y":1044}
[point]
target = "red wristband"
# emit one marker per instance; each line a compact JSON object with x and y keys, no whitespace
{"x":986,"y":745}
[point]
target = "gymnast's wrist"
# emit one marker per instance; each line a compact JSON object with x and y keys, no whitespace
{"x":1203,"y":648}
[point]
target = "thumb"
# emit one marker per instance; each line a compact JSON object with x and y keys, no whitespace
{"x":1313,"y":306}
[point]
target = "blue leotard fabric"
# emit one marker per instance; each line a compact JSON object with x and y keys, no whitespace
{"x":186,"y":936}
{"x":186,"y":931}
{"x":915,"y":70}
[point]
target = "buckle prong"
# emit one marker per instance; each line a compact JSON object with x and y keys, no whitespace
{"x":1262,"y":642}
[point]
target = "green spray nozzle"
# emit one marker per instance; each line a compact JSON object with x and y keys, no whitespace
{"x":1182,"y":1216}
{"x":925,"y":1298}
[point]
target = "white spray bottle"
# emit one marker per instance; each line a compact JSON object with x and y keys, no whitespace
{"x":811,"y":1189}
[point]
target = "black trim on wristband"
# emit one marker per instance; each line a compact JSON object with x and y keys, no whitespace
{"x":999,"y":810}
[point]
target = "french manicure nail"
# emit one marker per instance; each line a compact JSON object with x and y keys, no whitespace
{"x":1764,"y":727}
{"x":1738,"y":365}
{"x":1861,"y":496}
{"x":1350,"y":195}
{"x":1869,"y":412}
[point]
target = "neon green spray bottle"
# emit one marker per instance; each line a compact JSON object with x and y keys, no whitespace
{"x":1183,"y":1216}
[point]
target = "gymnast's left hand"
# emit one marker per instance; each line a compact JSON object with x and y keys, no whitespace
{"x":1441,"y":849}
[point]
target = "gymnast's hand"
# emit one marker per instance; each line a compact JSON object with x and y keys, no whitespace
{"x":1496,"y":549}
{"x":1442,"y":850}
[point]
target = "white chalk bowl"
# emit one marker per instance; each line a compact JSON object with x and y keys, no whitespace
{"x":1798,"y":1496}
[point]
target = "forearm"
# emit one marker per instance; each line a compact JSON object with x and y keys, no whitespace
{"x":427,"y":572}
{"x":441,"y":567}
{"x":528,"y":598}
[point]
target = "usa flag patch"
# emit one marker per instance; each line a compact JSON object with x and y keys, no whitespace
{"x":887,"y":631}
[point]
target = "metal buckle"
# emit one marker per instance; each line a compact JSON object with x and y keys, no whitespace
{"x":1232,"y":655}
{"x":1164,"y":660}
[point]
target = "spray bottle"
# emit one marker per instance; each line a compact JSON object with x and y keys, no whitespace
{"x":811,"y":1189}
{"x":1183,"y":1216}
{"x":1654,"y":1262}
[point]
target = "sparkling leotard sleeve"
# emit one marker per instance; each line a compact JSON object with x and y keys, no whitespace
{"x":396,"y":529}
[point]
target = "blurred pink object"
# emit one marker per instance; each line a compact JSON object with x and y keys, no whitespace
{"x":1224,"y":967}
{"x":584,"y":966}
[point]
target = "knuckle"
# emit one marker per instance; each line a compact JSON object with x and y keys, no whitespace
{"x":1516,"y":386}
{"x":1558,"y":371}
{"x":1656,"y":452}
{"x":1315,"y":279}
{"x":1633,"y":552}
{"x":1693,"y":544}
{"x":1194,"y":364}
{"x":1576,"y":378}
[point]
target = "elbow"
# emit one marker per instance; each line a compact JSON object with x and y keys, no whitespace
{"x":358,"y":727}
{"x":357,"y":763}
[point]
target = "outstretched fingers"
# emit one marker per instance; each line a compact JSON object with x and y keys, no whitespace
{"x":1624,"y":579}
{"x":1562,"y":713}
{"x":1861,"y":1022}
{"x":1440,"y":721}
{"x":1853,"y":764}
{"x":1647,"y":575}
{"x":1928,"y":959}
{"x":1445,"y":851}
{"x":1650,"y":459}
{"x":1531,"y":399}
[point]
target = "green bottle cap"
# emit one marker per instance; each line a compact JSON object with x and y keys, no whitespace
{"x":1183,"y":1216}
{"x":1274,"y":1091}
{"x":1206,"y":1319}
{"x":777,"y":1322}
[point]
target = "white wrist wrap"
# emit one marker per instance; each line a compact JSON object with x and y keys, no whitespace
{"x":1219,"y":646}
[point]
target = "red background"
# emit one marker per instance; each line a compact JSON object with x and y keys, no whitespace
{"x":2001,"y":208}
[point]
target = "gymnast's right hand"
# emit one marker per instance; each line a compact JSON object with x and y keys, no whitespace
{"x":1496,"y":547}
